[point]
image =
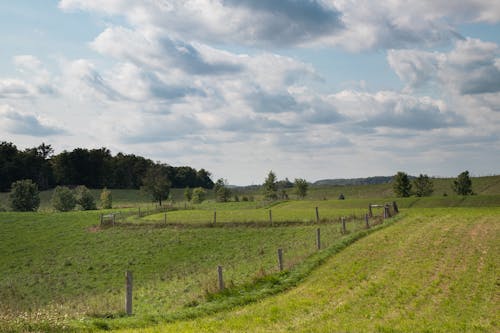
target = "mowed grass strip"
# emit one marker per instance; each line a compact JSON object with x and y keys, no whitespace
{"x":434,"y":271}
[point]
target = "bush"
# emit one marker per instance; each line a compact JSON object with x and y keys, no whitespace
{"x":24,"y":196}
{"x":63,"y":199}
{"x":84,"y":198}
{"x":199,"y":195}
{"x":106,"y":199}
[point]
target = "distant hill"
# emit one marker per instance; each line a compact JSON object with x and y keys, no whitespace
{"x":354,"y":181}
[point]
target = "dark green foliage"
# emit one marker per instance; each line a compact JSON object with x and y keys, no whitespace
{"x":423,"y":186}
{"x":84,"y":198}
{"x":199,"y":195}
{"x":270,"y":187}
{"x":156,"y":183}
{"x":221,"y":191}
{"x":94,"y":168}
{"x":463,"y":184}
{"x":106,"y":199}
{"x":63,"y":199}
{"x":24,"y":196}
{"x":401,"y":185}
{"x":301,"y":187}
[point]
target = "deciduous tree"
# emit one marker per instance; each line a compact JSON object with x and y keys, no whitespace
{"x":463,"y":184}
{"x":423,"y":186}
{"x":24,"y":196}
{"x":301,"y":187}
{"x":401,"y":185}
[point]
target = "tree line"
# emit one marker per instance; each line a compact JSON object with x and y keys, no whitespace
{"x":94,"y":168}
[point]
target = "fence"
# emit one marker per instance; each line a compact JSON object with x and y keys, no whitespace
{"x":322,"y":239}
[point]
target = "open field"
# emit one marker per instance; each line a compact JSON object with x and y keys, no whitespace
{"x":434,"y":271}
{"x":61,"y":271}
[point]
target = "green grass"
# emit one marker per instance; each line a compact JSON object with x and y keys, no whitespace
{"x":58,"y":265}
{"x":58,"y":268}
{"x":436,"y":270}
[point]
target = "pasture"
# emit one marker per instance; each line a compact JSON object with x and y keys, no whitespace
{"x":62,"y":272}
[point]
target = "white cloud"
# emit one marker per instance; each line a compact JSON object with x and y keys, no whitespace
{"x":26,"y":124}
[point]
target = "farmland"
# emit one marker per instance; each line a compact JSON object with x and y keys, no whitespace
{"x":61,"y":271}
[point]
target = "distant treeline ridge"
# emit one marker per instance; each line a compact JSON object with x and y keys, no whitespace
{"x":94,"y":168}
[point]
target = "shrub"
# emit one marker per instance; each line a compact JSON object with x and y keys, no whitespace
{"x":84,"y":198}
{"x":24,"y":196}
{"x":199,"y":195}
{"x":63,"y":199}
{"x":106,"y":199}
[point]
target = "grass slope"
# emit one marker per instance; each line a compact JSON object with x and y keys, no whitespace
{"x":434,"y":271}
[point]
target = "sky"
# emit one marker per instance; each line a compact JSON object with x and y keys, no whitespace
{"x":310,"y":89}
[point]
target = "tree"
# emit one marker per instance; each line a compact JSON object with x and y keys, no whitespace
{"x":106,"y":199}
{"x":24,"y":196}
{"x":188,"y":194}
{"x":63,"y":199}
{"x":221,"y":191}
{"x":156,"y":183}
{"x":463,"y":184}
{"x":270,"y":187}
{"x":423,"y":186}
{"x":401,"y":185}
{"x":301,"y":187}
{"x":199,"y":195}
{"x":84,"y":198}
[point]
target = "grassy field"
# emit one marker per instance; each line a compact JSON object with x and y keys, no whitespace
{"x":59,"y":270}
{"x":434,"y":271}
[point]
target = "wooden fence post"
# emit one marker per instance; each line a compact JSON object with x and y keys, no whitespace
{"x":101,"y":218}
{"x":280,"y":259}
{"x":317,"y":215}
{"x":221,"y":280}
{"x":215,"y":216}
{"x":367,"y":221}
{"x":271,"y":216}
{"x":318,"y":238}
{"x":395,"y":207}
{"x":370,"y":210}
{"x":165,"y":218}
{"x":114,"y":215}
{"x":344,"y":229}
{"x":128,"y":293}
{"x":139,"y":212}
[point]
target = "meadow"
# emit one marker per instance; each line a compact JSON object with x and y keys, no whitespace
{"x":63,"y":272}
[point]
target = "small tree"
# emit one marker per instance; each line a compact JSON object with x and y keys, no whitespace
{"x":221,"y":191}
{"x":106,"y":199}
{"x":423,"y":186}
{"x":199,"y":195}
{"x":63,"y":199}
{"x":156,"y":183}
{"x":24,"y":196}
{"x":301,"y":187}
{"x":270,"y":188}
{"x":463,"y":184}
{"x":401,"y":185}
{"x":188,"y":194}
{"x":84,"y":198}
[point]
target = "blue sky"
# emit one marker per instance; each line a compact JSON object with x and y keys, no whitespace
{"x":310,"y":89}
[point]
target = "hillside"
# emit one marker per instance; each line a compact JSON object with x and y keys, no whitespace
{"x":433,"y":271}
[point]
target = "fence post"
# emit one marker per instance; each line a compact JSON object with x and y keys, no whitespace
{"x":370,"y":210}
{"x":114,"y":215}
{"x":139,"y":211}
{"x":101,"y":219}
{"x":318,"y":238}
{"x":317,"y":215}
{"x":271,"y":216}
{"x":395,"y":207}
{"x":165,"y":219}
{"x":128,"y":293}
{"x":280,"y":259}
{"x":221,"y":280}
{"x":215,"y":216}
{"x":344,"y":229}
{"x":367,"y":221}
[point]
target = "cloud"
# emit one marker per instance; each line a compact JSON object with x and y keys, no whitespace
{"x":353,"y":25}
{"x":470,"y":68}
{"x":26,"y":124}
{"x":14,"y":88}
